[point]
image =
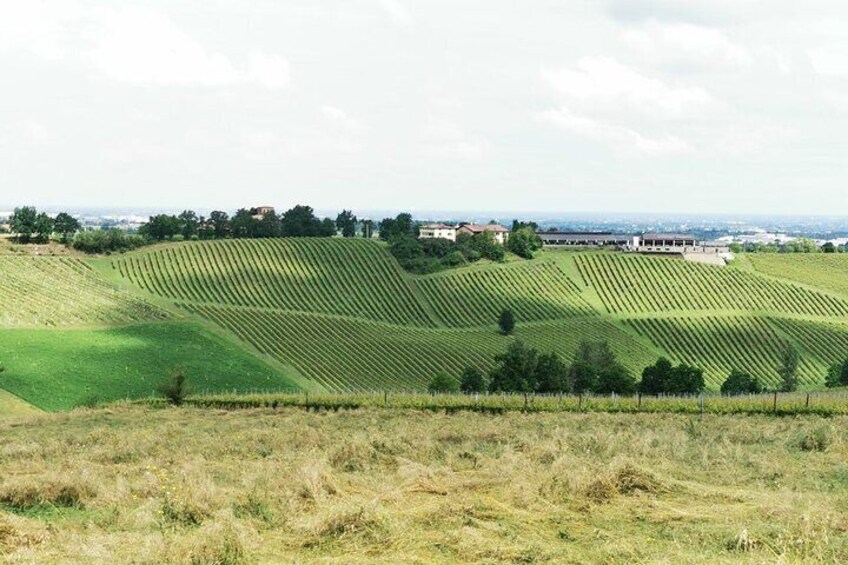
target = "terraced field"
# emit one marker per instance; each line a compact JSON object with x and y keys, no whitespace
{"x":344,"y":354}
{"x":475,"y":297}
{"x":332,"y":276}
{"x":719,"y":344}
{"x":828,"y":271}
{"x":633,"y":284}
{"x":48,"y":291}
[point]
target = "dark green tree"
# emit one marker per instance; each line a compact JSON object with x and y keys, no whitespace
{"x":301,"y":221}
{"x":837,"y":375}
{"x":615,"y":379}
{"x":514,"y":370}
{"x":399,"y":226}
{"x":66,"y":226}
{"x":473,"y":380}
{"x":218,"y":224}
{"x":551,"y":374}
{"x":367,"y":229}
{"x":740,"y":382}
{"x":161,"y":227}
{"x":686,"y":379}
{"x":442,"y":382}
{"x":346,"y":223}
{"x":790,"y":359}
{"x":268,"y":226}
{"x":243,"y":224}
{"x":487,"y":246}
{"x":656,"y":377}
{"x":506,"y":322}
{"x":595,"y":368}
{"x":524,"y":242}
{"x":190,"y":224}
{"x":23,"y":222}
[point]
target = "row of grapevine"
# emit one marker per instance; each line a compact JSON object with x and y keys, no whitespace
{"x":54,"y":291}
{"x":825,"y":342}
{"x":474,"y":297}
{"x":630,"y":284}
{"x":719,"y":344}
{"x":343,"y":354}
{"x":828,"y":271}
{"x":353,"y":278}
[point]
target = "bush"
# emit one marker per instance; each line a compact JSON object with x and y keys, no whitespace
{"x":740,"y":382}
{"x":443,"y":383}
{"x":175,"y":389}
{"x":837,"y":375}
{"x":473,"y":380}
{"x":506,"y":322}
{"x":106,"y":241}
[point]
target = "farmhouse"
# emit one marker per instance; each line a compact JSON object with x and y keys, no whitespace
{"x":260,"y":212}
{"x":437,"y":231}
{"x":501,"y":233}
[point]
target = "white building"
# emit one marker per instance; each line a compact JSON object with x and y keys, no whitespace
{"x":437,"y":231}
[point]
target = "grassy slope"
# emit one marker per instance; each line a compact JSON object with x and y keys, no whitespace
{"x":404,"y":486}
{"x":822,"y":270}
{"x":58,"y":369}
{"x":12,"y":406}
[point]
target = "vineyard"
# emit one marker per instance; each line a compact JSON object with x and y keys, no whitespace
{"x":344,"y":277}
{"x":823,"y":270}
{"x":540,"y":291}
{"x":342,"y":354}
{"x":632,"y":284}
{"x":47,"y":291}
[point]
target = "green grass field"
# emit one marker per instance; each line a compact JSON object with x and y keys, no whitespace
{"x":57,"y":369}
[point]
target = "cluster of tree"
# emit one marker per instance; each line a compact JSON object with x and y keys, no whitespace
{"x":664,"y":378}
{"x":521,"y":368}
{"x":106,"y":241}
{"x":523,"y":240}
{"x":741,"y":382}
{"x":31,"y":226}
{"x":800,"y":245}
{"x":299,"y":221}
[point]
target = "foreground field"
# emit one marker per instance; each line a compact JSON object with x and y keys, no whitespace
{"x":62,"y":368}
{"x":132,"y":484}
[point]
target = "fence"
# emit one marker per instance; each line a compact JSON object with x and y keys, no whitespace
{"x":824,"y":403}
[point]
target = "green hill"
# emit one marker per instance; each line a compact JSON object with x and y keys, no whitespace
{"x":334,"y":314}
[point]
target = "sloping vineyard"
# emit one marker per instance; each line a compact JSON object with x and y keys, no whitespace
{"x":332,"y":276}
{"x":828,"y":271}
{"x":721,"y":344}
{"x":826,"y":343}
{"x":630,"y":284}
{"x":48,"y":291}
{"x":475,"y":297}
{"x":343,"y":354}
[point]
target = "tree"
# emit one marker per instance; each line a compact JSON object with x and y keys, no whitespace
{"x":367,"y":229}
{"x":837,"y":375}
{"x":175,"y":388}
{"x":161,"y":227}
{"x":66,"y":226}
{"x":487,"y":246}
{"x":327,"y":228}
{"x":43,"y":227}
{"x":515,"y":370}
{"x":551,"y":374}
{"x":788,"y":369}
{"x":442,"y":383}
{"x":189,"y":224}
{"x":828,"y":247}
{"x":655,"y":378}
{"x":268,"y":226}
{"x":523,"y":242}
{"x":740,"y":382}
{"x":22,"y":223}
{"x":615,"y":379}
{"x":595,"y":368}
{"x":346,"y":223}
{"x":686,"y":379}
{"x":219,"y":224}
{"x":506,"y":322}
{"x":473,"y":380}
{"x":301,"y":221}
{"x":243,"y":224}
{"x":400,"y":225}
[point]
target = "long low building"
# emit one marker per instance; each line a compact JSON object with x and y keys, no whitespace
{"x":585,"y":239}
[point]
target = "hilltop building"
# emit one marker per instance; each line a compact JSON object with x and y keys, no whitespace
{"x":437,"y":231}
{"x":260,"y":212}
{"x":585,"y":239}
{"x":501,"y":233}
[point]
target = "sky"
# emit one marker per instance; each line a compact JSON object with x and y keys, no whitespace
{"x":719,"y":106}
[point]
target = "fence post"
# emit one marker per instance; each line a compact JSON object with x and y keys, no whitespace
{"x":807,"y":404}
{"x":580,"y":402}
{"x":385,"y":398}
{"x":702,"y":404}
{"x":774,"y":406}
{"x":638,"y":400}
{"x":525,"y":402}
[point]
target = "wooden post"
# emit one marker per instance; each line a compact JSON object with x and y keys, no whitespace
{"x":525,"y":402}
{"x":638,"y":400}
{"x":702,"y":404}
{"x":807,"y":404}
{"x":774,"y":406}
{"x":580,"y":402}
{"x":385,"y":398}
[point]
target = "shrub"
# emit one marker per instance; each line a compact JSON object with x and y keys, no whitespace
{"x":473,"y":380}
{"x":740,"y":382}
{"x":837,"y":375}
{"x":506,"y":322}
{"x":443,"y":382}
{"x":175,"y":389}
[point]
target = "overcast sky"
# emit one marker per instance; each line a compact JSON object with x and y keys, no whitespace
{"x":619,"y":105}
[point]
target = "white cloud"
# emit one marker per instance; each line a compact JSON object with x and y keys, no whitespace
{"x":37,"y":26}
{"x":397,"y":11}
{"x":602,"y":84}
{"x":681,"y":42}
{"x":623,"y":139}
{"x":829,"y":61}
{"x":339,"y":117}
{"x":444,"y":138}
{"x":144,"y":47}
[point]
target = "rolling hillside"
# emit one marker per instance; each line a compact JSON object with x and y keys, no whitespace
{"x":333,"y":314}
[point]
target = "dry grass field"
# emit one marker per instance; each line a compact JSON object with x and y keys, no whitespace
{"x":135,"y":484}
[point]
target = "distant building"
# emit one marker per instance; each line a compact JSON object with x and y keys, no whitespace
{"x":260,"y":212}
{"x":437,"y":231}
{"x":584,"y":239}
{"x":666,"y":243}
{"x":501,"y":233}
